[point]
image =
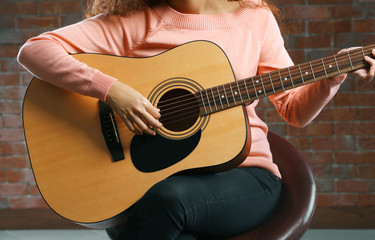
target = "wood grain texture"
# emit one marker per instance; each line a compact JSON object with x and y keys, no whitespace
{"x":70,"y":161}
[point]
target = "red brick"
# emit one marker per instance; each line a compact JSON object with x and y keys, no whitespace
{"x":27,"y":202}
{"x":8,"y":189}
{"x":279,"y":129}
{"x":366,"y":143}
{"x":12,"y":134}
{"x":366,"y":86}
{"x":324,"y":185}
{"x":366,"y":171}
{"x":298,"y":56}
{"x":328,"y":1}
{"x":333,"y":171}
{"x":351,"y":186}
{"x":345,"y":40}
{"x":9,"y":79}
{"x":8,"y":50}
{"x":301,"y":143}
{"x":319,"y":41}
{"x":305,"y":12}
{"x":9,"y":107}
{"x":7,"y":21}
{"x":3,"y":203}
{"x":353,"y":99}
{"x":360,"y":128}
{"x":33,"y":189}
{"x":12,"y":7}
{"x":369,"y":39}
{"x":336,"y":26}
{"x":294,"y":27}
{"x":3,"y":175}
{"x":29,"y":22}
{"x":316,"y":157}
{"x":15,"y":148}
{"x":364,"y":25}
{"x":333,"y":143}
{"x":26,"y":78}
{"x":68,"y":19}
{"x":12,"y":161}
{"x":336,"y":200}
{"x":355,"y":157}
{"x":346,"y":11}
{"x":55,"y":7}
{"x":20,"y":175}
{"x":366,"y":200}
{"x":288,"y":2}
{"x":12,"y":121}
{"x":11,"y":65}
{"x":366,"y":114}
{"x":273,"y":116}
{"x":313,"y":129}
{"x":337,"y":114}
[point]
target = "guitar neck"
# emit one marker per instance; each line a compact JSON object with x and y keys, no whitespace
{"x":249,"y":89}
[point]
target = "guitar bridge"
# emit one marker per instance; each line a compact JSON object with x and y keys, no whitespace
{"x":110,"y":132}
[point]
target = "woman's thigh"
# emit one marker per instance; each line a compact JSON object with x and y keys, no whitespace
{"x":221,"y":204}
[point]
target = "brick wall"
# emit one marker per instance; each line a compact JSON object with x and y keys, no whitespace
{"x":20,"y":20}
{"x":339,"y":144}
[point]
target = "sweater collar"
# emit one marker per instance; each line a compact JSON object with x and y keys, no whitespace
{"x":176,"y":19}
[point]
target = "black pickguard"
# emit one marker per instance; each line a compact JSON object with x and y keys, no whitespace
{"x":154,"y":153}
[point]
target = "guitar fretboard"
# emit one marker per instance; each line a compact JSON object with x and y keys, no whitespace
{"x":247,"y":90}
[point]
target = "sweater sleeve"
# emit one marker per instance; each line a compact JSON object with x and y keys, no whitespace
{"x":301,"y":105}
{"x":48,"y":56}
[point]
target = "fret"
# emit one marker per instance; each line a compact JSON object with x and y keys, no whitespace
{"x":226,"y":97}
{"x":285,"y":76}
{"x":255,"y":90}
{"x":300,"y":74}
{"x":234,"y":99}
{"x":247,"y":91}
{"x":209,"y":102}
{"x":213,"y":97}
{"x":303,"y":81}
{"x":239,"y":91}
{"x":325,"y":71}
{"x":273,"y":89}
{"x":204,"y":106}
{"x":220,"y":96}
{"x":281,"y":79}
{"x":312,"y":71}
{"x":363,"y":54}
{"x":291,"y":79}
{"x":350,"y":60}
{"x":338,"y":69}
{"x":264,"y":90}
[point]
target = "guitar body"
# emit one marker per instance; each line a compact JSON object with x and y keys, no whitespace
{"x":72,"y":165}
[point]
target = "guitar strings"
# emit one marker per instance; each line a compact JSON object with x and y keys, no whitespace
{"x":329,"y":60}
{"x":184,"y":109}
{"x":241,"y":88}
{"x":277,"y":83}
{"x":332,"y":62}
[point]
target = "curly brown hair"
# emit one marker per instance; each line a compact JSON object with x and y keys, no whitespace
{"x":126,"y":7}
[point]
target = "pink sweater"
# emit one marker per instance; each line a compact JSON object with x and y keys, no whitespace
{"x":249,"y":36}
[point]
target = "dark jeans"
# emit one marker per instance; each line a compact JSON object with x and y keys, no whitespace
{"x":197,"y":206}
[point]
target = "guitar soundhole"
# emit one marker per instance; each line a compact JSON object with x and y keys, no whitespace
{"x":179,"y":110}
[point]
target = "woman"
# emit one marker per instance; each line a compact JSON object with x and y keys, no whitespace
{"x":188,"y":206}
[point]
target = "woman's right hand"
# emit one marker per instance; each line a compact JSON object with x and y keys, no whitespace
{"x":139,"y":115}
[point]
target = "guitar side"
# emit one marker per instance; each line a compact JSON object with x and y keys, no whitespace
{"x":70,"y":161}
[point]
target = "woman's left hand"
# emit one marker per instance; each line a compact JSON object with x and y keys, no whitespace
{"x":366,"y":74}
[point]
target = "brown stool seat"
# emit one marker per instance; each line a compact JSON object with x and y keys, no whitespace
{"x":294,"y":212}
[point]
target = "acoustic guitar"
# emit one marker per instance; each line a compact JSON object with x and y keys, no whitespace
{"x":90,"y":168}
